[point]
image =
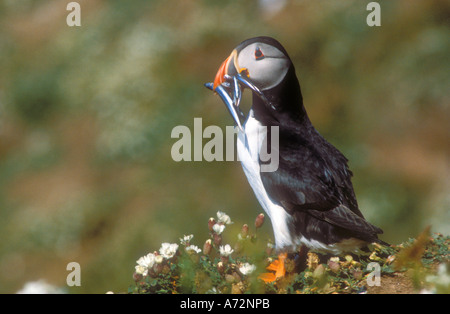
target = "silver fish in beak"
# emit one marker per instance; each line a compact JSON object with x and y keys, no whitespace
{"x":232,"y":104}
{"x":230,"y":91}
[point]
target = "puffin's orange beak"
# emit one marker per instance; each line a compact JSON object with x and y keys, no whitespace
{"x":221,"y":73}
{"x":223,"y":70}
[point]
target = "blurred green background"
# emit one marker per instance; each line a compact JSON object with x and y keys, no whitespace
{"x":86,"y":115}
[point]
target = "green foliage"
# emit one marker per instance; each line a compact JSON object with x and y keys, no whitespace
{"x":219,"y":269}
{"x":211,"y":271}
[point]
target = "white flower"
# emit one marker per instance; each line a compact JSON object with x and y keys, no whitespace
{"x":186,"y":239}
{"x":159,"y":259}
{"x":213,"y":290}
{"x":193,"y":248}
{"x":144,"y":263}
{"x":141,"y":270}
{"x":168,"y":250}
{"x":223,"y":218}
{"x":247,"y":268}
{"x":334,"y":259}
{"x":147,"y":260}
{"x":218,"y":228}
{"x":225,"y":250}
{"x":39,"y":287}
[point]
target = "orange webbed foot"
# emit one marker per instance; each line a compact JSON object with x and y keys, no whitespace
{"x":278,"y":267}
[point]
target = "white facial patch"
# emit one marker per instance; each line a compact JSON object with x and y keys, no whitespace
{"x":265,"y":72}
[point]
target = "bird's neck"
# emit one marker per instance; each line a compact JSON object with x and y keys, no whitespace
{"x":286,"y":104}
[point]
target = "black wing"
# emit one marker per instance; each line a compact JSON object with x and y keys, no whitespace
{"x":313,"y":183}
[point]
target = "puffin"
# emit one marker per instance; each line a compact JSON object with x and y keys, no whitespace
{"x":308,"y":195}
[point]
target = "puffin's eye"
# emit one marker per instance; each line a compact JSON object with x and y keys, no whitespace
{"x":259,"y":54}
